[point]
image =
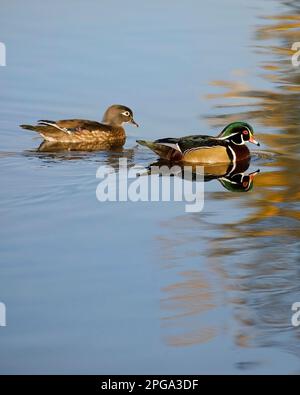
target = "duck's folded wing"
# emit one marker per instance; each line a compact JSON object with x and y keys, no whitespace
{"x":198,"y":141}
{"x":75,"y":125}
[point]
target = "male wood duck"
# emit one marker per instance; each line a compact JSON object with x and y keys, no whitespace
{"x":109,"y":132}
{"x":228,"y":146}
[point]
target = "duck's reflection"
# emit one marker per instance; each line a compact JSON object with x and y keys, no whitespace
{"x":238,"y":182}
{"x":232,"y":176}
{"x":106,"y":154}
{"x":84,"y":146}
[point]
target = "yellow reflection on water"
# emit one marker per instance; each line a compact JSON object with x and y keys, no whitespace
{"x":248,"y":263}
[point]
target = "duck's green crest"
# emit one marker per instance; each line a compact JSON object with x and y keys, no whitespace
{"x":234,"y":128}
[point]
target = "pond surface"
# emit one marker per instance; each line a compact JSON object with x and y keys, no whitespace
{"x":144,"y":287}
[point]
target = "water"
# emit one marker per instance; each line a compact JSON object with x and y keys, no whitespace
{"x":94,"y":287}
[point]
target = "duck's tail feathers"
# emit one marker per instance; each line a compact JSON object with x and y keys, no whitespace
{"x":162,"y":149}
{"x":31,"y":127}
{"x":168,"y":142}
{"x":49,"y":133}
{"x":149,"y":144}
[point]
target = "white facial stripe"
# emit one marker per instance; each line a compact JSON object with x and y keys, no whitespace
{"x":243,"y":142}
{"x":226,"y":179}
{"x":227,"y":137}
{"x":233,"y":158}
{"x":233,"y":134}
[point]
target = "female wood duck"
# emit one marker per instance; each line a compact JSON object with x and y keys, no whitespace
{"x":228,"y":146}
{"x":110,"y":131}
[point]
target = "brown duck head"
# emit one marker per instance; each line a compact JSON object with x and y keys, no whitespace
{"x":117,"y":114}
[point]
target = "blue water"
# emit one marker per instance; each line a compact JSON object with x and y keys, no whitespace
{"x":142,"y":288}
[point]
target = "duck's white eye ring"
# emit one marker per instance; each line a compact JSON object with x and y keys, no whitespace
{"x":126,"y":113}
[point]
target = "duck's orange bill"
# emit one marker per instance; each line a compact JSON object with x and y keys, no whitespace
{"x":252,"y":140}
{"x":253,"y":174}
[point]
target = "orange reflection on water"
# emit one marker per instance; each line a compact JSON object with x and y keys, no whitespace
{"x":249,"y":263}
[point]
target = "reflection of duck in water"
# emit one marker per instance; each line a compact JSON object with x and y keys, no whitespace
{"x":55,"y":146}
{"x":228,"y":146}
{"x":238,"y":182}
{"x":232,"y":176}
{"x":234,"y":179}
{"x":49,"y":152}
{"x":77,"y":131}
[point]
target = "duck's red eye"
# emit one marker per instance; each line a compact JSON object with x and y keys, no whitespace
{"x":245,"y":132}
